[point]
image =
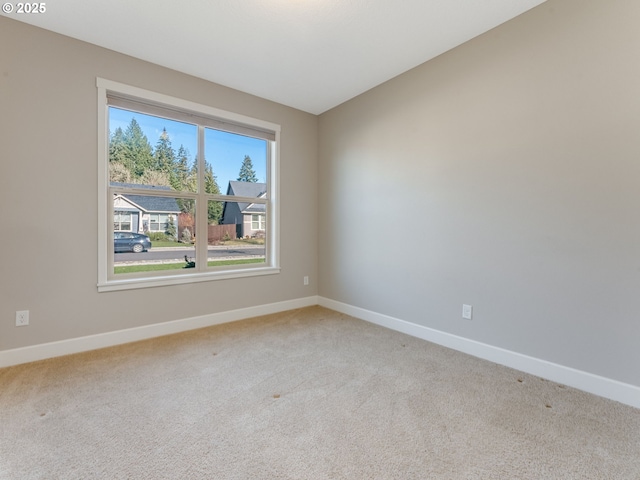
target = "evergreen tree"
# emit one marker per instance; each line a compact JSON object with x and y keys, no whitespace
{"x":117,"y":147}
{"x":171,"y":228}
{"x":164,"y":155}
{"x":188,"y":181}
{"x":191,"y":182}
{"x":247,"y":174}
{"x":180,"y":171}
{"x":210,"y":181}
{"x":214,"y":210}
{"x":119,"y":166}
{"x":139,"y":154}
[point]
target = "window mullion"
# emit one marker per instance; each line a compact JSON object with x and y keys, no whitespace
{"x":149,"y":192}
{"x":234,"y":198}
{"x":201,"y":207}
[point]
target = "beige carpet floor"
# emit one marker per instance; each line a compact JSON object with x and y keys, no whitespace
{"x":306,"y":394}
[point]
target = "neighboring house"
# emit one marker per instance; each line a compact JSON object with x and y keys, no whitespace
{"x":249,"y":218}
{"x":142,"y":213}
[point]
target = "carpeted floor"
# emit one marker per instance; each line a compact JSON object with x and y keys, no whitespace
{"x":306,"y":394}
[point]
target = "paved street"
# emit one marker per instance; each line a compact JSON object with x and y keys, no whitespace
{"x":164,"y":254}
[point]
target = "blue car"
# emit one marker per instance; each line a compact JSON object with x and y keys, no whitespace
{"x":130,"y":242}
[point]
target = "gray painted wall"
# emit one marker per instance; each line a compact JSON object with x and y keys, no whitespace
{"x":503,"y":174}
{"x":48,"y":149}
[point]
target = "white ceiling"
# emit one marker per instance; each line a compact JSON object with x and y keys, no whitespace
{"x":307,"y":54}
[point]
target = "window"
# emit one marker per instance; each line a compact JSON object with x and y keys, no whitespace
{"x":257,"y":222}
{"x":159,"y":222}
{"x":187,"y":181}
{"x":121,"y":221}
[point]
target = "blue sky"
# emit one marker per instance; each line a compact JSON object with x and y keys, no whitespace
{"x":224,"y":151}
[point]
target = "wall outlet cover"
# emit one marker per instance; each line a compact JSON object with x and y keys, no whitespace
{"x":22,"y":318}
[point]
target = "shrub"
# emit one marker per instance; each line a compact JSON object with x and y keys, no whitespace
{"x":157,"y":236}
{"x":186,"y":236}
{"x":171,"y":228}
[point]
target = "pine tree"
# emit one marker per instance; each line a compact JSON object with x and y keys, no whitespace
{"x":164,"y":155}
{"x":139,"y":154}
{"x":117,"y":146}
{"x":214,"y":211}
{"x":180,"y":170}
{"x":191,"y":182}
{"x":188,"y":181}
{"x":247,"y":173}
{"x":119,"y":165}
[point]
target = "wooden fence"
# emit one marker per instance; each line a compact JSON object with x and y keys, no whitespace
{"x":216,"y":233}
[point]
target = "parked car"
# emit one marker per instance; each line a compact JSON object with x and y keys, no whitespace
{"x":130,"y":242}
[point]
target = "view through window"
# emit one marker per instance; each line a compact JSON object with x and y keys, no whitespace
{"x":187,"y":193}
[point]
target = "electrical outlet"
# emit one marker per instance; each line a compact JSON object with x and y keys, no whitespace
{"x":467,"y":311}
{"x":305,"y":280}
{"x":22,"y":318}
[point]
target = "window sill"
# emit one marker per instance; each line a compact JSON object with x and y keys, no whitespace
{"x":163,"y":281}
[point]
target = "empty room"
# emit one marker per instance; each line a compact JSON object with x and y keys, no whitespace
{"x":320,"y":239}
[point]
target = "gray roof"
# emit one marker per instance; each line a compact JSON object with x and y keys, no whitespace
{"x":150,"y":203}
{"x":154,"y":204}
{"x":248,"y":189}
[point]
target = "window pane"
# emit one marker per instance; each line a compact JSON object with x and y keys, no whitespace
{"x":232,"y":158}
{"x":234,"y":240}
{"x":151,"y":151}
{"x":154,"y":246}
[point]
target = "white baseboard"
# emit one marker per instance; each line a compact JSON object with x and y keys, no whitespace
{"x":93,"y":342}
{"x":601,"y":386}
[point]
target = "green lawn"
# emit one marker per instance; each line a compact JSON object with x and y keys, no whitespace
{"x":157,"y":267}
{"x":167,"y":243}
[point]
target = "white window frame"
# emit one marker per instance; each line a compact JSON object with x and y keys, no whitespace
{"x":107,"y":281}
{"x":261,"y":221}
